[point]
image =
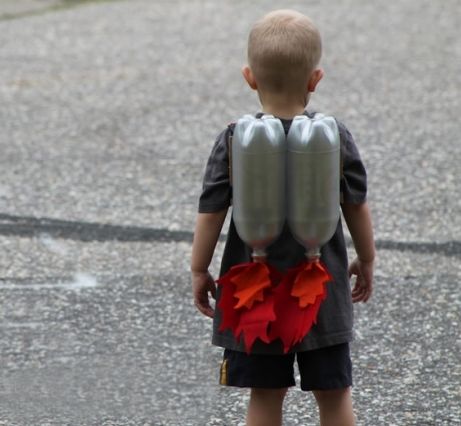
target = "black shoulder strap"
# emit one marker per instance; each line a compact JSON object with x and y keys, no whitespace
{"x":230,"y":135}
{"x":342,"y":154}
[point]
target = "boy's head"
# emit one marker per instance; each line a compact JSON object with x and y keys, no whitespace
{"x":284,"y":50}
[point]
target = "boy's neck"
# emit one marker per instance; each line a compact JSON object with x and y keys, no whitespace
{"x":283,"y":108}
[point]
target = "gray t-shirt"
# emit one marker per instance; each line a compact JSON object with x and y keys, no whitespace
{"x":335,"y":318}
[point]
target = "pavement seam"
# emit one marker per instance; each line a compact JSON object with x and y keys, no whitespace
{"x":55,"y":6}
{"x":29,"y":226}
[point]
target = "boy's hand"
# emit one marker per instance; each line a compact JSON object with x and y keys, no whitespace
{"x":363,"y":286}
{"x":202,"y":283}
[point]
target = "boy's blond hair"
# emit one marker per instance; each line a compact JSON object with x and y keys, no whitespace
{"x":284,"y":48}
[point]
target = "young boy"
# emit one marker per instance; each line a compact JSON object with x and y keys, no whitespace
{"x":284,"y":50}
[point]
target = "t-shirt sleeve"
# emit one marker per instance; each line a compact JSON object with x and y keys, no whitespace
{"x":216,"y":190}
{"x":354,"y":176}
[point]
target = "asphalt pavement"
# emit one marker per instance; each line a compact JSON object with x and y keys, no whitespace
{"x":108,"y":111}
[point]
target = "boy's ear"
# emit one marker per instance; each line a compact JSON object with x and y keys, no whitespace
{"x":249,"y":77}
{"x":316,"y":76}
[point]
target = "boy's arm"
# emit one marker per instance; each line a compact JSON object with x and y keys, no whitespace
{"x":358,"y":219}
{"x":207,"y":229}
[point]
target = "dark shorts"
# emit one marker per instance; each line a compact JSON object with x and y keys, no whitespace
{"x":320,"y":369}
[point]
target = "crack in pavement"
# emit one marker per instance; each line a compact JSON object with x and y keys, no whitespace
{"x":29,"y":226}
{"x":12,"y":9}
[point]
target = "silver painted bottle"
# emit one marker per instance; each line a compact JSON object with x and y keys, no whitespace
{"x":313,"y":175}
{"x":258,"y":180}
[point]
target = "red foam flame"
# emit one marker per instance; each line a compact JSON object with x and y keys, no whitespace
{"x":297,"y":302}
{"x":246,"y":302}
